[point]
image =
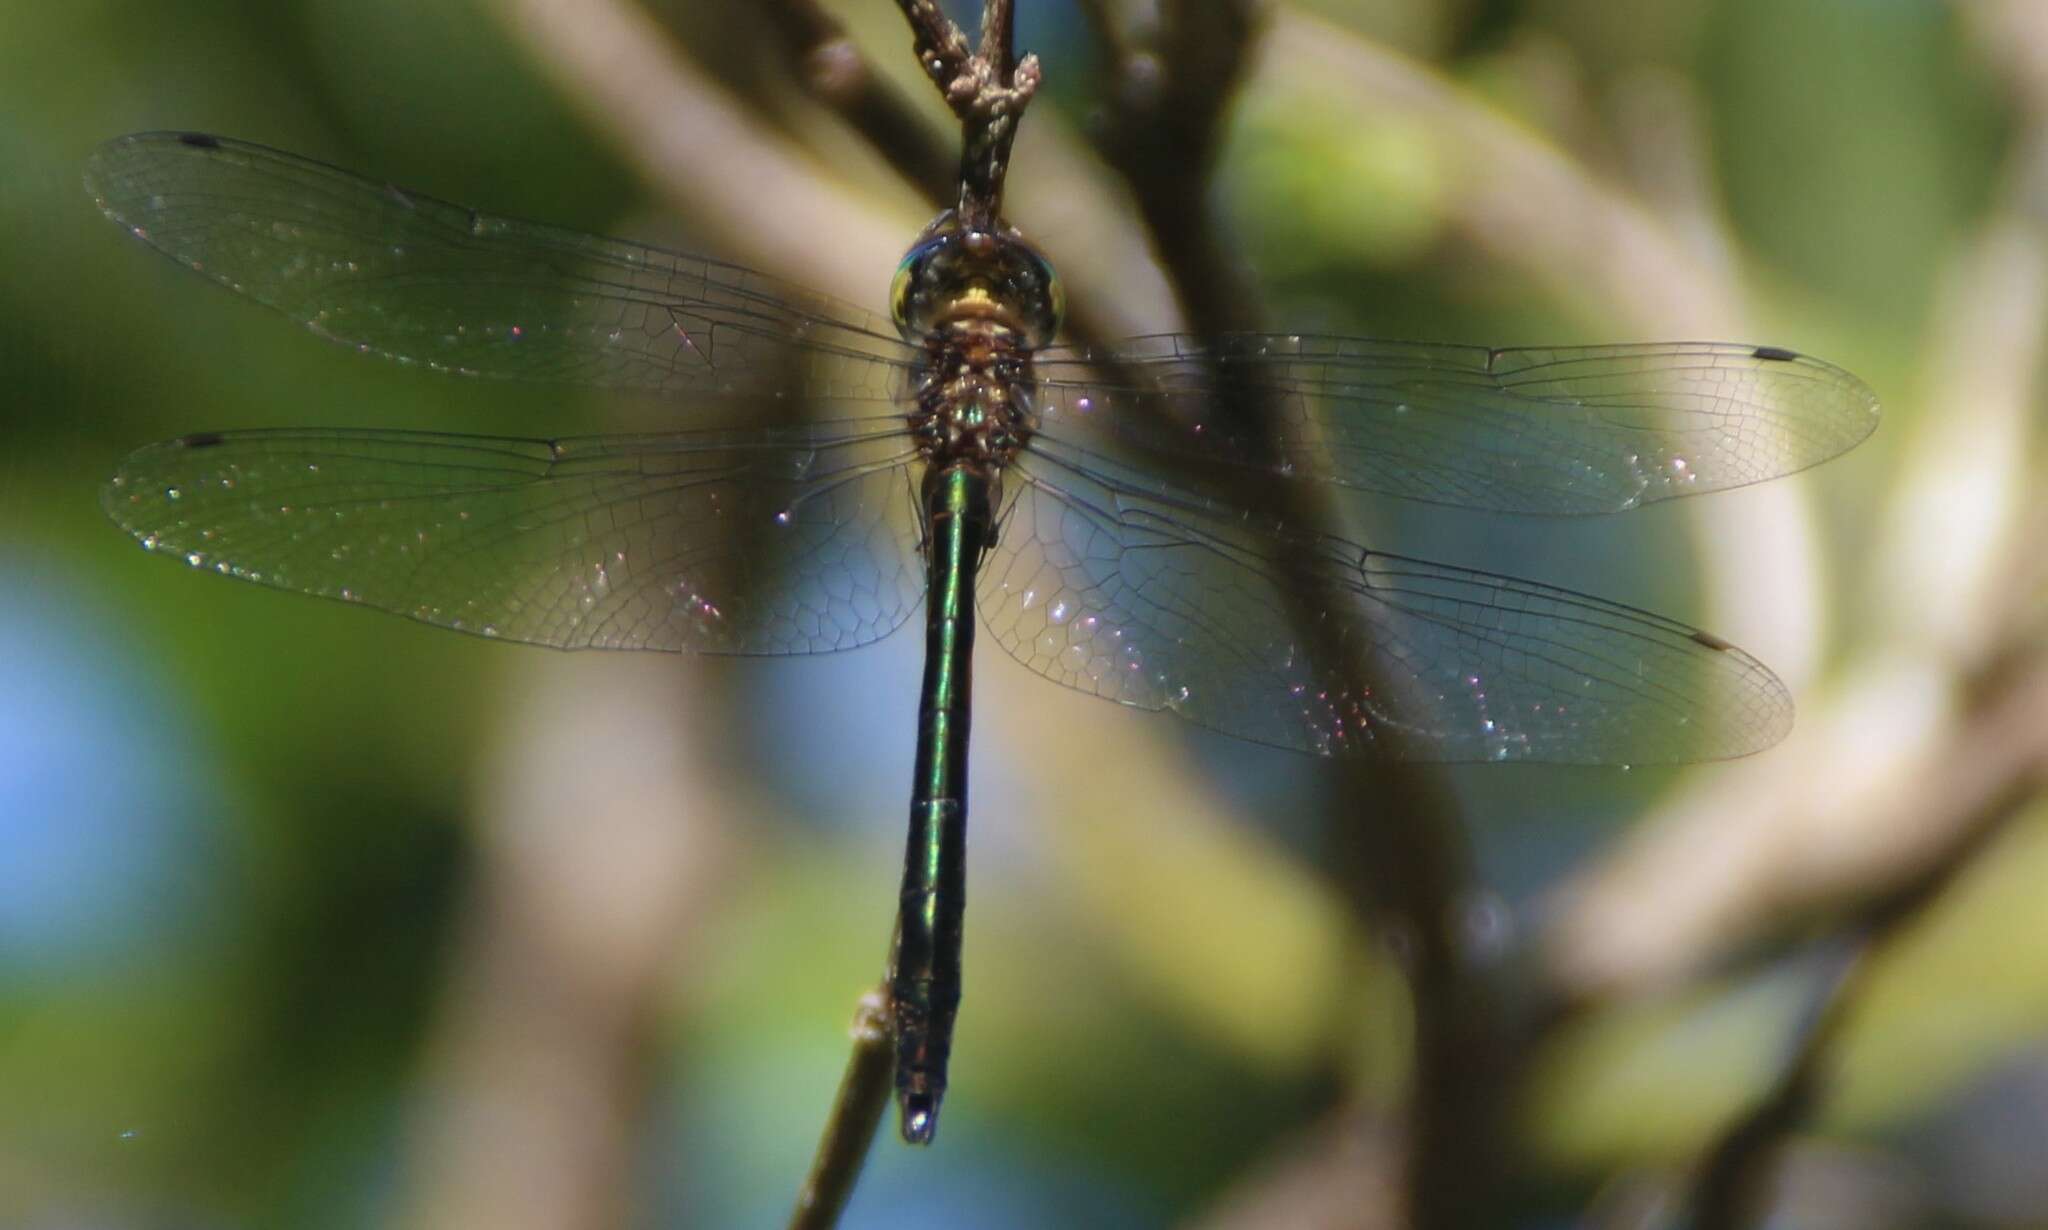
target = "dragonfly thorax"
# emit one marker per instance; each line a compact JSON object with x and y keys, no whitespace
{"x":972,"y":402}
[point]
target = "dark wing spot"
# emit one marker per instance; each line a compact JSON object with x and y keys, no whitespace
{"x":1776,"y":353}
{"x":198,"y":140}
{"x":200,"y":439}
{"x":1712,"y":642}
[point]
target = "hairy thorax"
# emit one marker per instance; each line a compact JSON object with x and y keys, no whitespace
{"x":972,"y":404}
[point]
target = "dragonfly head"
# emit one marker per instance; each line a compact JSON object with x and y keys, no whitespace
{"x":953,"y":273}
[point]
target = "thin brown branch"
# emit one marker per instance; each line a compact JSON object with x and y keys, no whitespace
{"x":856,"y":1112}
{"x":999,"y":36}
{"x":988,"y":90}
{"x":941,"y":46}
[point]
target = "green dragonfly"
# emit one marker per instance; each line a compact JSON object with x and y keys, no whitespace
{"x":953,"y":454}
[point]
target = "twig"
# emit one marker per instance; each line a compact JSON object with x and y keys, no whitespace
{"x":940,"y":44}
{"x":988,"y":90}
{"x":998,"y":36}
{"x":856,"y":1112}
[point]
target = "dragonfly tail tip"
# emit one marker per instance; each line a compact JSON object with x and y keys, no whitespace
{"x":920,"y":1119}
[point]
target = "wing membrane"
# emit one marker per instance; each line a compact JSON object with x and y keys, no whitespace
{"x":800,"y":543}
{"x":1556,"y":430}
{"x":404,"y":275}
{"x":1127,"y":589}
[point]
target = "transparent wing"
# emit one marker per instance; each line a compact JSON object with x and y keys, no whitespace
{"x":1582,"y":430}
{"x":803,"y":542}
{"x":403,"y":275}
{"x":1132,"y":591}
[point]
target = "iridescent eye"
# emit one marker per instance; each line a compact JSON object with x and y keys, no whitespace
{"x":1056,"y":303}
{"x":953,"y":274}
{"x":1033,"y":300}
{"x":907,"y":291}
{"x":899,"y":295}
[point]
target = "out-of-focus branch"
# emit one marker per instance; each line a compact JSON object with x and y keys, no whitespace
{"x":1343,"y":1173}
{"x":764,"y":204}
{"x":1523,"y":201}
{"x":835,"y":73}
{"x":536,"y":1079}
{"x":1661,"y":129}
{"x":2004,"y":755}
{"x":2013,"y":36}
{"x":1958,"y":570}
{"x":1394,"y":824}
{"x":1803,"y":816}
{"x":1821,"y":819}
{"x":1161,"y":133}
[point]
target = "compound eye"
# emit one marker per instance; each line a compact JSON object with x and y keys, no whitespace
{"x":1033,"y":302}
{"x":926,"y":283}
{"x":1051,"y":303}
{"x":901,"y":289}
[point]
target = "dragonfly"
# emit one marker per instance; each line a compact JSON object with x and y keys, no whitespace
{"x":957,"y":454}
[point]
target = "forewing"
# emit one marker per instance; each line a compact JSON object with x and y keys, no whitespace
{"x":1553,"y":430}
{"x":1138,"y":593}
{"x":401,"y":274}
{"x":800,"y":543}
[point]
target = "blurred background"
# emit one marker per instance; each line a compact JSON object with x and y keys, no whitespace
{"x":311,"y":916}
